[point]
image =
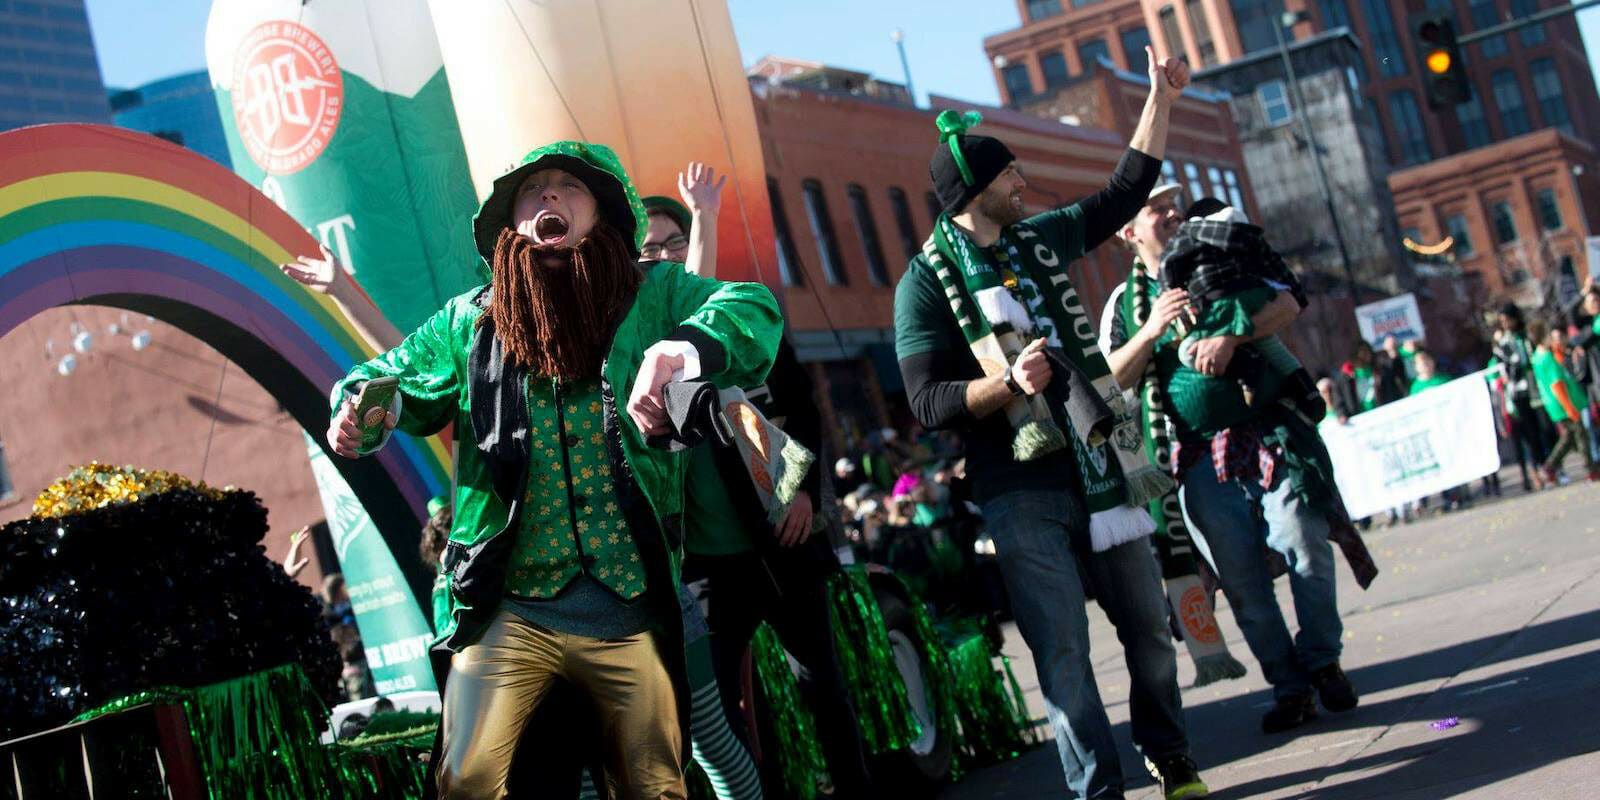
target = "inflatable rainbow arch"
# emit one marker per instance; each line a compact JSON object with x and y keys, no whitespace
{"x":98,"y":215}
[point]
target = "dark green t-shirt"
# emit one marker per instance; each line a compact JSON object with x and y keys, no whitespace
{"x":713,"y":522}
{"x":924,"y":324}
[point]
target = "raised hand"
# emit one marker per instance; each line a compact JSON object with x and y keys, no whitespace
{"x":293,"y":562}
{"x":701,"y":189}
{"x":323,"y":275}
{"x":1168,"y":77}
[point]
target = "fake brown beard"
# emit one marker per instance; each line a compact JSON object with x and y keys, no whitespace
{"x":556,"y":319}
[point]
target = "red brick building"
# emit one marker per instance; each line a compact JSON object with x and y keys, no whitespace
{"x":1517,"y":212}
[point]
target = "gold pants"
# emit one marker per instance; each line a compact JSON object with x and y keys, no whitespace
{"x":496,"y":683}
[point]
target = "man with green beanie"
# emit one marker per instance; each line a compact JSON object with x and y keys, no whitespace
{"x":563,"y":557}
{"x":990,"y":335}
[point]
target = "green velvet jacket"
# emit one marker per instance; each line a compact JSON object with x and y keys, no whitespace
{"x":735,"y":327}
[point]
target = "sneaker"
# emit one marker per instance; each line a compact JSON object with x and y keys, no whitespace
{"x":1334,"y":687}
{"x":1290,"y":712}
{"x":1178,"y":776}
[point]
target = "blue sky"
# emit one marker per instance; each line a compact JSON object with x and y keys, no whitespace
{"x":142,"y":40}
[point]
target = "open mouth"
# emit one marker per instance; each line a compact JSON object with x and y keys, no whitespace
{"x":549,"y":229}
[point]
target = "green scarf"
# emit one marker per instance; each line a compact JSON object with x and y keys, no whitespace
{"x":984,"y":299}
{"x":1180,"y":570}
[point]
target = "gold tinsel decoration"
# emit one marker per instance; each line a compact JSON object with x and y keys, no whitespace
{"x":99,"y":485}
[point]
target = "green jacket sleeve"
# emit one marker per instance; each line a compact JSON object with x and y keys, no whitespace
{"x":734,"y":326}
{"x":428,"y":364}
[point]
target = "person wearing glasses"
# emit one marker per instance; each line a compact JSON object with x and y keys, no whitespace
{"x":686,"y":232}
{"x":755,"y":570}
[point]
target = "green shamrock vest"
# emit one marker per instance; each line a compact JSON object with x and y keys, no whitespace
{"x":572,"y":520}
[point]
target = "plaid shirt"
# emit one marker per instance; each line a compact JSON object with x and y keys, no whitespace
{"x":1237,"y":453}
{"x":1213,"y":259}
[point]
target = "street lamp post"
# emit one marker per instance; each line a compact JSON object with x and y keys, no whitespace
{"x":1288,"y":20}
{"x":899,"y":38}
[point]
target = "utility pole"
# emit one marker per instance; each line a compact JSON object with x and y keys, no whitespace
{"x":1288,"y":20}
{"x":899,"y":38}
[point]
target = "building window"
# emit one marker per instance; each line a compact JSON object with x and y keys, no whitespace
{"x":1235,"y":196}
{"x":1082,"y":3}
{"x":1408,"y":124}
{"x":1134,"y":41}
{"x":1090,"y":53}
{"x":1054,"y":67}
{"x":1207,"y":52}
{"x":1255,"y":19}
{"x":1485,"y":15}
{"x":1043,"y":9}
{"x":1456,"y":226}
{"x":1505,"y":228}
{"x":1473,"y":126}
{"x":1018,"y":85}
{"x":822,"y":229}
{"x":1170,"y":32}
{"x":1191,"y":181}
{"x":1547,"y":91}
{"x":1508,"y":98}
{"x":1549,"y":212}
{"x":788,"y":258}
{"x":871,"y":246}
{"x":1169,"y":171}
{"x":1533,"y":34}
{"x":903,"y":222}
{"x":1335,"y":14}
{"x":1380,"y":27}
{"x":1274,"y":99}
{"x":1218,"y":190}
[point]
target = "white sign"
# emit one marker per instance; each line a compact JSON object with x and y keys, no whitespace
{"x":1412,"y":448}
{"x":1398,"y":317}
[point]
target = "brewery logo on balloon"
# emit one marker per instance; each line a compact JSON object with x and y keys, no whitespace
{"x":287,"y":96}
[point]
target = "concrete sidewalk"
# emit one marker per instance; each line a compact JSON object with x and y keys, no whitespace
{"x":1491,"y":616}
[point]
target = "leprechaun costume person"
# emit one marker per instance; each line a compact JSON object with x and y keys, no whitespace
{"x":989,"y":330}
{"x":563,"y":558}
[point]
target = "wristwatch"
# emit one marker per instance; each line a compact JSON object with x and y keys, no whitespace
{"x":1011,"y":383}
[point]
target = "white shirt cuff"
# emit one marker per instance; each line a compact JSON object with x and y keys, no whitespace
{"x":678,"y":347}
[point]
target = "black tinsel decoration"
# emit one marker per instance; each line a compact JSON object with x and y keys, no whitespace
{"x":163,"y":587}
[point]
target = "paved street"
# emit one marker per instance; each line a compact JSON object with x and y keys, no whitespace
{"x":1491,"y":616}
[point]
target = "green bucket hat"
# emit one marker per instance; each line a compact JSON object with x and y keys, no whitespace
{"x":594,"y":164}
{"x":674,"y":210}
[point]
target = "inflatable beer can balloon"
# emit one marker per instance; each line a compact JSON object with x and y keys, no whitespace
{"x":659,"y":82}
{"x":341,"y":113}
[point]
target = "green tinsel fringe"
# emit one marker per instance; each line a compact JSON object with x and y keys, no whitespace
{"x":256,"y":738}
{"x":796,"y":747}
{"x":1037,"y":439}
{"x":862,"y":644}
{"x":994,"y":723}
{"x":942,"y":679}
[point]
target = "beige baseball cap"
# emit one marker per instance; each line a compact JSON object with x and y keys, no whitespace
{"x":1163,"y":190}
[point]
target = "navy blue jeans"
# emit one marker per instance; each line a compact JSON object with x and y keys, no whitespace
{"x":1233,"y":523}
{"x":1046,"y":580}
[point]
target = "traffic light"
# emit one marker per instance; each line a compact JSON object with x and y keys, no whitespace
{"x":1444,"y":72}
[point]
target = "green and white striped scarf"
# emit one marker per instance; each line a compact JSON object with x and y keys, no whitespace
{"x":1028,"y":294}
